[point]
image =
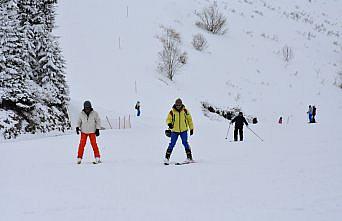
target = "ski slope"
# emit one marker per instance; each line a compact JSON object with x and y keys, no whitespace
{"x":295,"y":174}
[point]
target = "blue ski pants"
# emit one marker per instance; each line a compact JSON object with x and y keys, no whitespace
{"x":174,"y":138}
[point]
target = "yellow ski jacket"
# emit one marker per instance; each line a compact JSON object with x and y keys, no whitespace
{"x":181,"y":120}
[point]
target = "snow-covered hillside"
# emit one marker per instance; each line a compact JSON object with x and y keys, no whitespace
{"x":111,"y":51}
{"x":245,"y":66}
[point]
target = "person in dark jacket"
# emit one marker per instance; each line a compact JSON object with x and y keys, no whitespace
{"x":239,"y":121}
{"x":137,"y":107}
{"x":313,"y":114}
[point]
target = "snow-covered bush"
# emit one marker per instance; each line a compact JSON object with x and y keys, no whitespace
{"x":183,"y":58}
{"x":229,"y":113}
{"x":211,"y":19}
{"x":171,"y":58}
{"x":199,"y":42}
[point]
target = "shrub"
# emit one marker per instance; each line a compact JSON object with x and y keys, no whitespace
{"x":199,"y":42}
{"x":212,"y":20}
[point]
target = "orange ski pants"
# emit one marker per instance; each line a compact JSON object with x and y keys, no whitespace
{"x":83,"y":142}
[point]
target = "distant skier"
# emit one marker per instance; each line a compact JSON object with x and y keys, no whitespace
{"x":280,"y":121}
{"x":313,"y":114}
{"x":179,"y":121}
{"x":88,"y":124}
{"x":137,"y":107}
{"x":239,"y":121}
{"x":309,"y":112}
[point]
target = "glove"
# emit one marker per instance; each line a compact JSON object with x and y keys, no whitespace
{"x":170,"y":125}
{"x":191,"y":132}
{"x":97,"y":132}
{"x":77,"y":130}
{"x":168,"y":133}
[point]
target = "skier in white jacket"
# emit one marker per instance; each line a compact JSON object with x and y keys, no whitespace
{"x":89,"y":124}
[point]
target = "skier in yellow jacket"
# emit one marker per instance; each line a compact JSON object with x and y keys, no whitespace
{"x":179,"y":121}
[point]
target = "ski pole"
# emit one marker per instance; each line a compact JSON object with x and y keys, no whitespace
{"x":228,"y":131}
{"x":255,"y":134}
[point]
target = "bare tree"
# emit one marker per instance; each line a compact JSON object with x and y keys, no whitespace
{"x":199,"y":42}
{"x":171,"y":57}
{"x":287,"y":53}
{"x":212,"y":20}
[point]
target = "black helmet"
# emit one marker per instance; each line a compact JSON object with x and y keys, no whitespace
{"x":240,"y":113}
{"x":86,"y":104}
{"x":179,"y":101}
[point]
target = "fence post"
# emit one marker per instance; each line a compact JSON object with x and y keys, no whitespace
{"x":129,"y":121}
{"x":109,"y":122}
{"x":119,"y":123}
{"x":124,"y":122}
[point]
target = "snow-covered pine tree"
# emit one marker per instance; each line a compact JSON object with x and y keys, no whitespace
{"x":53,"y":94}
{"x":47,"y":64}
{"x":40,"y":80}
{"x":16,"y":96}
{"x":38,"y":12}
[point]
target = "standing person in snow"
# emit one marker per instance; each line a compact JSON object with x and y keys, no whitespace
{"x":137,"y":107}
{"x":280,"y":121}
{"x":88,"y":124}
{"x":313,"y":114}
{"x":179,"y":121}
{"x":309,"y":112}
{"x":239,"y":121}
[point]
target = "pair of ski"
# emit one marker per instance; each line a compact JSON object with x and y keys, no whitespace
{"x":179,"y":163}
{"x":94,"y":162}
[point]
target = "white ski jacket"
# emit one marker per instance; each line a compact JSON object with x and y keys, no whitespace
{"x":88,"y":124}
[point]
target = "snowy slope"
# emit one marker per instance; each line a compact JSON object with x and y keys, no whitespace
{"x":295,"y":174}
{"x":289,"y":177}
{"x":245,"y":67}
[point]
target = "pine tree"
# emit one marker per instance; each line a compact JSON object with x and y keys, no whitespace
{"x":16,"y":97}
{"x":54,"y":91}
{"x":34,"y":95}
{"x":38,"y":12}
{"x":48,"y":66}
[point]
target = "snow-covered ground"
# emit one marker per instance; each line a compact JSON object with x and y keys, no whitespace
{"x":295,"y":174}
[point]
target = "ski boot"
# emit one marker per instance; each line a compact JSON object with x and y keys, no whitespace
{"x":79,"y":160}
{"x":97,"y":160}
{"x":189,"y":156}
{"x":167,"y":157}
